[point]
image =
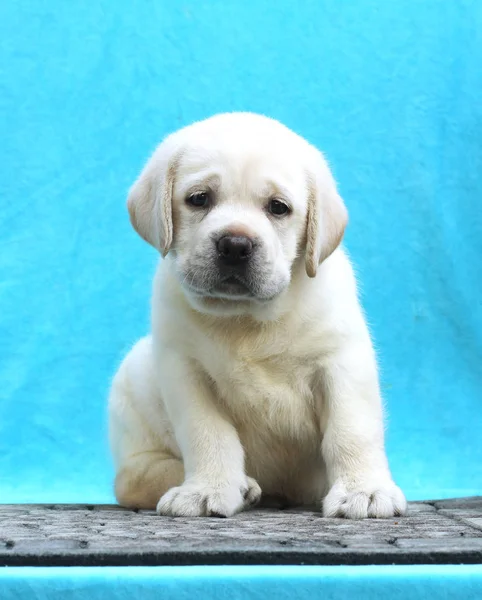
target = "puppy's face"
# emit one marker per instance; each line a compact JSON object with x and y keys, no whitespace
{"x":239,"y":220}
{"x":236,"y":199}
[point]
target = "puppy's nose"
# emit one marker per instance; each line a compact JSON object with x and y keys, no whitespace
{"x":234,"y":250}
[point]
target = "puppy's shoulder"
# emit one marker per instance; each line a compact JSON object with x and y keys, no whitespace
{"x":332,"y":304}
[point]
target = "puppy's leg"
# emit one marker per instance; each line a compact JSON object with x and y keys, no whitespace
{"x":353,"y":445}
{"x":145,"y":453}
{"x":144,"y":478}
{"x":216,"y":483}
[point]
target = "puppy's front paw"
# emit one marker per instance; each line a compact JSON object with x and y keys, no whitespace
{"x":381,"y":500}
{"x":198,"y":499}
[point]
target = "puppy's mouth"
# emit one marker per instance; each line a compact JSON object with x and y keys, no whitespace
{"x":232,"y":288}
{"x":227,"y":288}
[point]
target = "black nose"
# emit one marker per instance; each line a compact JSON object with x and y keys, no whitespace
{"x":234,"y":250}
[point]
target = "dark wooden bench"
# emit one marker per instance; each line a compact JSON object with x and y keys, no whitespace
{"x":438,"y":532}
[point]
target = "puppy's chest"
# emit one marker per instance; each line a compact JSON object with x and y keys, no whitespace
{"x":266,"y":388}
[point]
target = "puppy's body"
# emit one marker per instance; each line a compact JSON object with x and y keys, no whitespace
{"x":233,"y":392}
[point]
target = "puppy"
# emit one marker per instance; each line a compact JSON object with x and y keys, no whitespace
{"x":259,"y":374}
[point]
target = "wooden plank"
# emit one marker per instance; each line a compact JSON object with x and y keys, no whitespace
{"x":442,"y":532}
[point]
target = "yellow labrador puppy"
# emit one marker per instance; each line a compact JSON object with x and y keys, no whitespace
{"x":259,"y":374}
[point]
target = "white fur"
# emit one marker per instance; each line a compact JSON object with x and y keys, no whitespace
{"x":278,"y":392}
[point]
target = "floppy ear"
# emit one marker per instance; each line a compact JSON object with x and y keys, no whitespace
{"x":327,"y":216}
{"x":150,"y":199}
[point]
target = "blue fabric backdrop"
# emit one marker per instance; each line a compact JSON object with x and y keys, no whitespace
{"x":463,"y":582}
{"x":391,"y":91}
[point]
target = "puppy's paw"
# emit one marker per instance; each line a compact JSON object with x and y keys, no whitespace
{"x":198,"y":499}
{"x":381,"y":500}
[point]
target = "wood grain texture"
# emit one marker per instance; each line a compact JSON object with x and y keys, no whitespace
{"x":444,"y":532}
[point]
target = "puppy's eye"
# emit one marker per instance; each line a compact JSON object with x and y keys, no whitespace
{"x":198,"y":200}
{"x":278,"y":208}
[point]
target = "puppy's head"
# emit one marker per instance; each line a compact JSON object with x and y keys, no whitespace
{"x":236,"y":200}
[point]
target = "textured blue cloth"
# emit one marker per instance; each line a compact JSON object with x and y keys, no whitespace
{"x":390,"y":91}
{"x":239,"y":583}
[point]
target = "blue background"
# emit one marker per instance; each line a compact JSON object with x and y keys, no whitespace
{"x":461,"y":582}
{"x":391,"y":91}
